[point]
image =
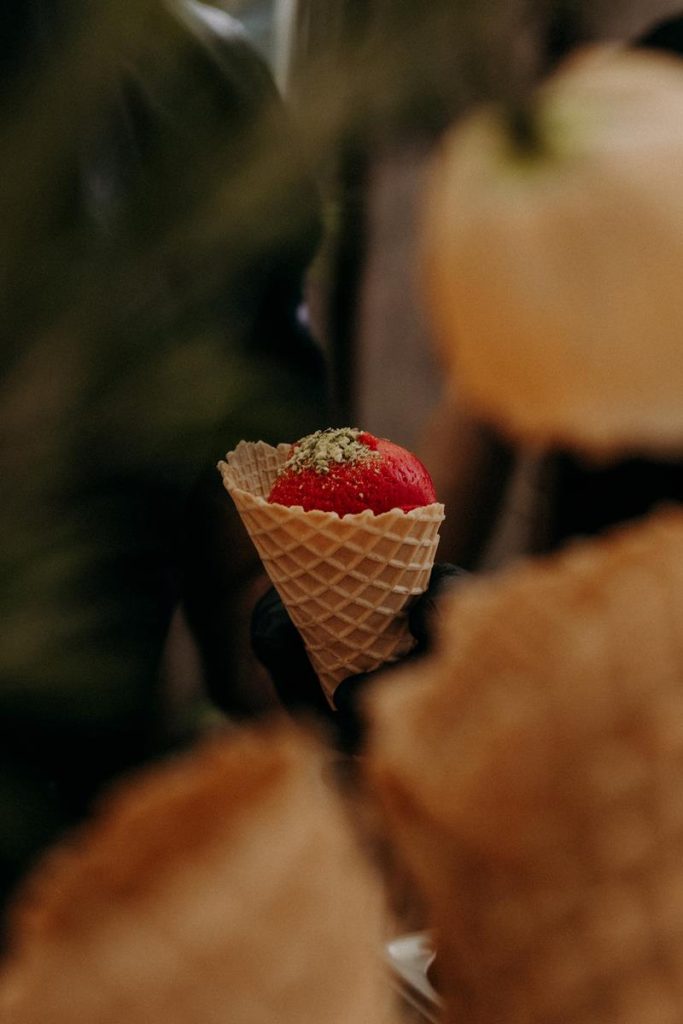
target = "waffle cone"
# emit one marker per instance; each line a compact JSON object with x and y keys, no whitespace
{"x":346,"y":582}
{"x":533,"y":777}
{"x":226,"y":886}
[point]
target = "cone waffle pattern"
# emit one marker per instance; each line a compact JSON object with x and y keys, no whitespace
{"x":346,"y":582}
{"x":534,"y":779}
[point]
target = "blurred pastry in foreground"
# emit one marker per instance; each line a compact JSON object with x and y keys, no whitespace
{"x":532,"y":774}
{"x":553,"y":252}
{"x":225,"y":887}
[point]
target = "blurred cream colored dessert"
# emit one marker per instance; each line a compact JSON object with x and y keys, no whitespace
{"x":553,"y":252}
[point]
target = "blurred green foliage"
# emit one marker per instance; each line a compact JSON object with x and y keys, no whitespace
{"x":157,"y":217}
{"x":157,"y":213}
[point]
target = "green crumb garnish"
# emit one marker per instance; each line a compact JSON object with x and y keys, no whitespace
{"x":324,"y":448}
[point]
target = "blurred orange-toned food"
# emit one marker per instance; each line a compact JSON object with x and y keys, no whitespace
{"x":224,"y":887}
{"x":532,"y":774}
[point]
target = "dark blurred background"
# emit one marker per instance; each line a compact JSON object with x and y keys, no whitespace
{"x":208,"y":217}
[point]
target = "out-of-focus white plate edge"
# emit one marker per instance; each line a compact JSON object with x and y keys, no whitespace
{"x":409,"y":957}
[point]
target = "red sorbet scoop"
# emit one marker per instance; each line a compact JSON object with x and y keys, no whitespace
{"x":347,"y":471}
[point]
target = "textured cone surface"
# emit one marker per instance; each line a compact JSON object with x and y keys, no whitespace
{"x":346,"y":582}
{"x":533,"y":776}
{"x":224,"y":888}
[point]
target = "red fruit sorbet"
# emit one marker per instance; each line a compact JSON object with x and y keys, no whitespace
{"x":348,"y":471}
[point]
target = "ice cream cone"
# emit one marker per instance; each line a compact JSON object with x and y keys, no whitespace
{"x":346,"y":582}
{"x":533,"y":776}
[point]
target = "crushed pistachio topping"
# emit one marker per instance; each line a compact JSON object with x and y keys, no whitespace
{"x":324,"y":448}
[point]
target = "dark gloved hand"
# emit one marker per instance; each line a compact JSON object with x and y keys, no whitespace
{"x":425,"y":613}
{"x":279,"y":647}
{"x":277,"y":644}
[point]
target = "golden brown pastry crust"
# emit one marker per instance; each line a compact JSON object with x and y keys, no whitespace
{"x":533,"y":777}
{"x":171,"y":813}
{"x":226,"y":885}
